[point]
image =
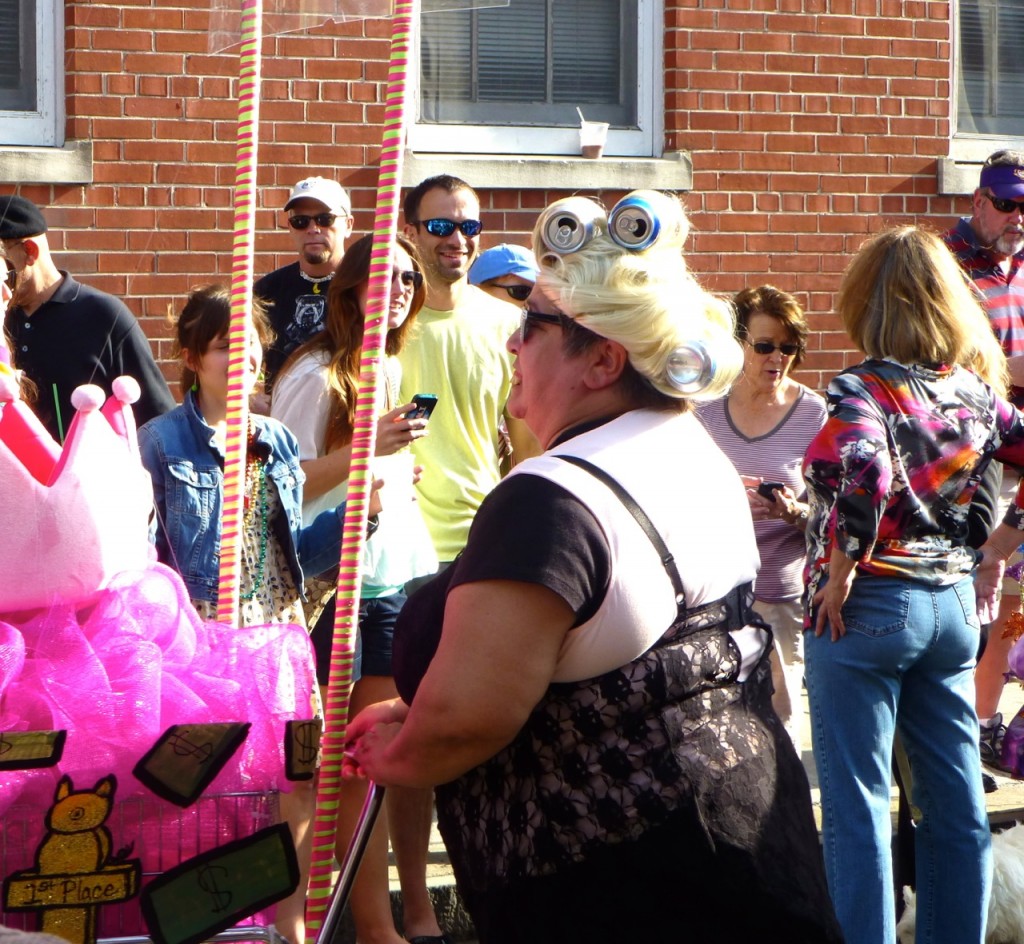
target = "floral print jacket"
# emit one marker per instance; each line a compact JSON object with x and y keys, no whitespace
{"x":892,"y":473}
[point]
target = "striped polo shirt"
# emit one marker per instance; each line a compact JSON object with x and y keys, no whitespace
{"x":1002,"y":293}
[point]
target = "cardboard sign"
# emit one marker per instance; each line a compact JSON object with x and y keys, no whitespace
{"x":216,"y":889}
{"x":186,"y":757}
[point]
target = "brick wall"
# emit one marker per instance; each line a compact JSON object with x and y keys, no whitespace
{"x":811,"y":123}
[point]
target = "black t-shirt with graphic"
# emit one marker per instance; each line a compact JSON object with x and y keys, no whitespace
{"x":296,"y":308}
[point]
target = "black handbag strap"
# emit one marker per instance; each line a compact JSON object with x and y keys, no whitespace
{"x":667,"y":560}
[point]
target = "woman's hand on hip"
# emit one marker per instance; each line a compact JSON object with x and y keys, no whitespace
{"x":830,"y":599}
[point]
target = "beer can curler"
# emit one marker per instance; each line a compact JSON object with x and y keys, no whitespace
{"x":569,"y":224}
{"x":690,"y":367}
{"x":641,"y":217}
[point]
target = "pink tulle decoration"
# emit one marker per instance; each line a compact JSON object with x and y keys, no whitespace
{"x":130,"y":661}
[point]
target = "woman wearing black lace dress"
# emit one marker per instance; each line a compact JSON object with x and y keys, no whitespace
{"x":597,"y":715}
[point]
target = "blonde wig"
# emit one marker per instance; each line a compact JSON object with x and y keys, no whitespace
{"x":646,"y":300}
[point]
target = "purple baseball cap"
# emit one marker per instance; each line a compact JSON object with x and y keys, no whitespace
{"x":1004,"y":181}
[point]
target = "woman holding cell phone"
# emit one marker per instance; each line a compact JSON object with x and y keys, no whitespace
{"x":764,"y":427}
{"x":315,"y":396}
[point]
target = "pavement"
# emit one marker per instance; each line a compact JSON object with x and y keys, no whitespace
{"x":1005,"y":807}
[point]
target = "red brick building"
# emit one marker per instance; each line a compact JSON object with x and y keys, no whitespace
{"x":793,"y":128}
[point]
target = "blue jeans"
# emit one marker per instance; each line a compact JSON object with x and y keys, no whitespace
{"x":904,"y":664}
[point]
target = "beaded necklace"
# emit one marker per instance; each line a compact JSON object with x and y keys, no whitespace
{"x":255,"y":488}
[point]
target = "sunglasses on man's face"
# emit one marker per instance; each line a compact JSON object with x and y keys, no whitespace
{"x":766,"y":347}
{"x":1006,"y":206}
{"x":517,"y":292}
{"x":302,"y":221}
{"x":444,"y":228}
{"x":12,"y":275}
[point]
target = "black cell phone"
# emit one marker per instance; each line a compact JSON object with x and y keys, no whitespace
{"x":425,"y":403}
{"x":765,"y":489}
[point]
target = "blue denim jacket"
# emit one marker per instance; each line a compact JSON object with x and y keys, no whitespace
{"x":186,"y":465}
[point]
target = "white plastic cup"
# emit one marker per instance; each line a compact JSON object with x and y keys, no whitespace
{"x":593,"y":135}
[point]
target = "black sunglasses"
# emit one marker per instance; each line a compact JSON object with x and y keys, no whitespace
{"x":443,"y":228}
{"x":518,"y":292}
{"x":766,"y":347}
{"x":302,"y":221}
{"x":529,"y":315}
{"x":410,"y":277}
{"x":12,"y":275}
{"x":1005,"y":206}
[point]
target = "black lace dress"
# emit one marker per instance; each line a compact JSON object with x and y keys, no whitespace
{"x":661,"y":801}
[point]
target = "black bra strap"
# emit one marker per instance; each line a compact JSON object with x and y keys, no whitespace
{"x":667,"y":560}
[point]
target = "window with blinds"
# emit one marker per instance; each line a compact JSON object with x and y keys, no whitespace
{"x":990,"y":68}
{"x":531,"y":63}
{"x":32,"y":72}
{"x":17,"y":55}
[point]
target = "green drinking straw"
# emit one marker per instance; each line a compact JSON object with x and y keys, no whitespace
{"x":60,"y":424}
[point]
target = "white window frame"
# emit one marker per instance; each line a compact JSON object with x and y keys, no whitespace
{"x":645,"y":141}
{"x":43,"y":127}
{"x":970,"y":146}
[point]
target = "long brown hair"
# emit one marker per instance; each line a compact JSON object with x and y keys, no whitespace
{"x":342,"y":337}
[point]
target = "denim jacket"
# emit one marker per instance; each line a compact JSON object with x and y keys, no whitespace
{"x":187,"y":468}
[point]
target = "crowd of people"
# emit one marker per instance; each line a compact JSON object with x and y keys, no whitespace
{"x":636,"y":538}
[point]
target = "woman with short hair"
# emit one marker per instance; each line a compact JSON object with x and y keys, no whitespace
{"x":764,"y":426}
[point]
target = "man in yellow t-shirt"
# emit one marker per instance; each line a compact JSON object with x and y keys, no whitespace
{"x":456,"y":350}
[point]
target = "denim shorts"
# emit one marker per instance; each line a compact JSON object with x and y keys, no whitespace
{"x":377,"y":616}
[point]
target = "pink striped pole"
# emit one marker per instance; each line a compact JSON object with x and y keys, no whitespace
{"x":241,"y":302}
{"x":360,"y":478}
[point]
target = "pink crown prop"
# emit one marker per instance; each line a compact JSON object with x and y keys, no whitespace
{"x":99,"y":640}
{"x":74,"y":517}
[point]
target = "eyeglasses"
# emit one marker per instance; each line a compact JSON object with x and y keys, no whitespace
{"x":443,"y":228}
{"x":517,"y":292}
{"x":529,"y":315}
{"x":409,"y":277}
{"x":1005,"y":206}
{"x":766,"y":347}
{"x":12,"y":274}
{"x":302,"y":221}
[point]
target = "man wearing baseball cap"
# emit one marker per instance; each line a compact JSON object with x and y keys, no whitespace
{"x":63,"y":333}
{"x":989,"y":245}
{"x":319,"y":217}
{"x":507,"y":272}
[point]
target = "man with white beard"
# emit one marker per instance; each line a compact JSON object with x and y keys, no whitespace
{"x":990,"y":248}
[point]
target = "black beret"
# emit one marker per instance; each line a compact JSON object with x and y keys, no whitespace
{"x":20,"y":218}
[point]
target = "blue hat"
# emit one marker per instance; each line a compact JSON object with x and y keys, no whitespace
{"x":506,"y":259}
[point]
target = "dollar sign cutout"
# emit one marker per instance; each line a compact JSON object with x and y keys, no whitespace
{"x":183,"y":747}
{"x":301,"y":748}
{"x":207,"y":879}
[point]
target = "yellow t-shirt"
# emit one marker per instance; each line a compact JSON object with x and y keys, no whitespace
{"x":460,"y":356}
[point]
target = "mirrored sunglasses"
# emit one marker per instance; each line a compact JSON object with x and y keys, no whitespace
{"x":443,"y":228}
{"x":302,"y":221}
